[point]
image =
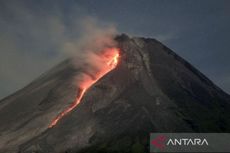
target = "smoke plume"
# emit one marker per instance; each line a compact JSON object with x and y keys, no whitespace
{"x":89,"y":51}
{"x":37,"y":36}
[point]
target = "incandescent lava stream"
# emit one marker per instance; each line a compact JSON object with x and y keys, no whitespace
{"x":110,"y":60}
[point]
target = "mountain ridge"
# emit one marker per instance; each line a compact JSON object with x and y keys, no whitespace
{"x":152,"y":89}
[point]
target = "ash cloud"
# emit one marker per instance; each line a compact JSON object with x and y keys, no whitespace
{"x":34,"y":38}
{"x":87,"y":51}
{"x":93,"y":39}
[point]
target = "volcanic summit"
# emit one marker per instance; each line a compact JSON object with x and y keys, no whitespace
{"x":149,"y":89}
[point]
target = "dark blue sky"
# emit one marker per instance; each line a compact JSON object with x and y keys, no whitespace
{"x":31,"y":31}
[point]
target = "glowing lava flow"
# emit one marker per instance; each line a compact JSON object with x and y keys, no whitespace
{"x":111,"y":59}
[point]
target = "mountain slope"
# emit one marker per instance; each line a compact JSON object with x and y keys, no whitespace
{"x":151,"y":90}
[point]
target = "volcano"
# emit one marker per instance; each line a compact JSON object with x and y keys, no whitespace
{"x":151,"y":89}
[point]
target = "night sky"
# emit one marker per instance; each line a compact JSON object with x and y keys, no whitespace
{"x":31,"y":33}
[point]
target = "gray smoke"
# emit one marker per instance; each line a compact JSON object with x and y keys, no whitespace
{"x":86,"y":50}
{"x":32,"y":42}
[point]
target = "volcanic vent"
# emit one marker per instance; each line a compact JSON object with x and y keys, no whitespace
{"x":151,"y":89}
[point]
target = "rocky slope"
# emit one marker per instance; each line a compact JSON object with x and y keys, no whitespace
{"x":151,"y":90}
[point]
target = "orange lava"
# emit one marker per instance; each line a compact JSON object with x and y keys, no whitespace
{"x":110,"y":57}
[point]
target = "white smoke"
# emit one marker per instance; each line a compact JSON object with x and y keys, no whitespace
{"x":86,"y":50}
{"x":39,"y":39}
{"x":93,"y":38}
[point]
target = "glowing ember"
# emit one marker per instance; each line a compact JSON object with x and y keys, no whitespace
{"x":111,"y":57}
